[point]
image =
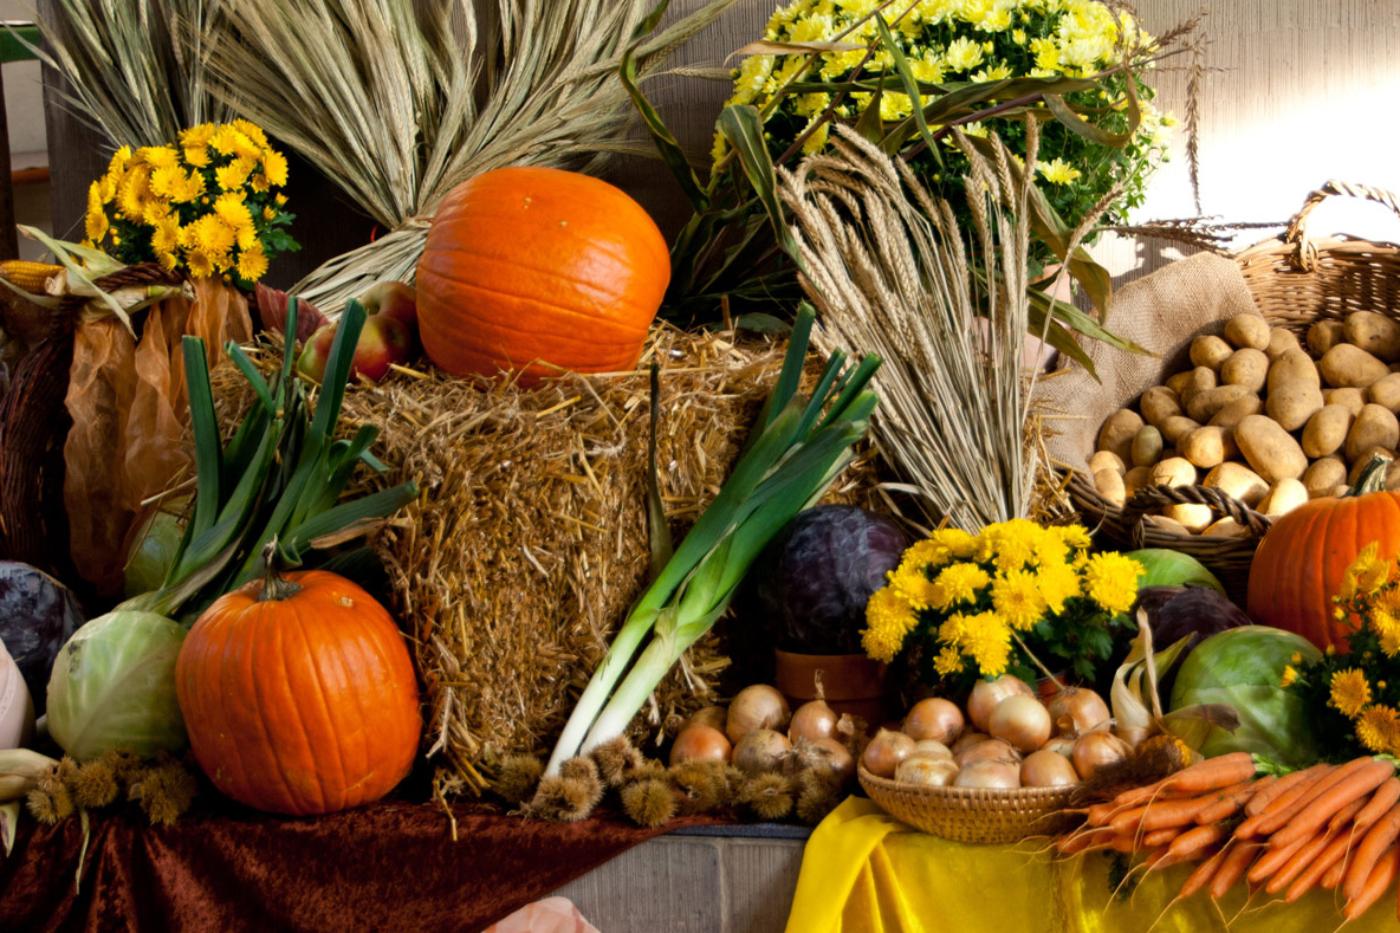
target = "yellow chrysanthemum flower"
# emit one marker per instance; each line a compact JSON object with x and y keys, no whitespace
{"x":1350,"y":691}
{"x":200,"y":264}
{"x":948,"y":662}
{"x":1016,"y":597}
{"x":1290,"y":676}
{"x":888,"y":620}
{"x":1059,"y":172}
{"x":280,"y":200}
{"x":988,"y":642}
{"x":1010,"y":545}
{"x":232,"y":210}
{"x":268,"y":213}
{"x":96,"y":225}
{"x":199,"y":158}
{"x":189,"y":188}
{"x":1111,"y":581}
{"x":958,"y":583}
{"x":952,"y":629}
{"x":165,"y":238}
{"x":226,"y":140}
{"x":913,"y":584}
{"x":213,"y":236}
{"x":1074,"y":536}
{"x":816,"y":142}
{"x":1058,"y":583}
{"x":1047,"y":55}
{"x":233,"y":176}
{"x":197,"y":137}
{"x":158,"y":156}
{"x":963,"y":54}
{"x":252,"y":263}
{"x":275,"y":167}
{"x":134,"y":192}
{"x":1378,"y":728}
{"x":165,"y":179}
{"x":252,"y":131}
{"x":1366,"y":575}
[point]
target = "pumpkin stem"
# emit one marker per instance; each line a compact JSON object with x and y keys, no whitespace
{"x":1372,"y":478}
{"x":275,"y":586}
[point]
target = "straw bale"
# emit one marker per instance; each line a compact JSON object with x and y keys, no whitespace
{"x":528,"y":543}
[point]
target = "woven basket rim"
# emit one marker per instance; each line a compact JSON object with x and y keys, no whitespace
{"x":992,"y":797}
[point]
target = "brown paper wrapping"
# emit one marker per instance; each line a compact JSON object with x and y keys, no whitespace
{"x":130,"y":413}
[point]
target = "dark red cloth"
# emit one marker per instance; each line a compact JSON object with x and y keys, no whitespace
{"x":391,"y":866}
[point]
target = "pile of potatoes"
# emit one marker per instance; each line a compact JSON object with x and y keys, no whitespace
{"x":1261,"y":417}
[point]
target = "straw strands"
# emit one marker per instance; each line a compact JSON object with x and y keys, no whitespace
{"x":891,"y":272}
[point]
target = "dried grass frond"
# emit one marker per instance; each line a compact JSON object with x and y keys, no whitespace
{"x":891,"y":272}
{"x":399,"y":102}
{"x":135,"y":69}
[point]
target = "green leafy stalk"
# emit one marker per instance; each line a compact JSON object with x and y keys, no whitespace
{"x":797,"y":449}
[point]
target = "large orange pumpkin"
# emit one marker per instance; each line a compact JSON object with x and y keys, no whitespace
{"x":539,"y":269}
{"x":299,"y":695}
{"x":1302,"y":560}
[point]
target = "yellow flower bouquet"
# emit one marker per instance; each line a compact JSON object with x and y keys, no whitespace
{"x":1014,"y":598}
{"x":1354,"y":694}
{"x":207,"y":205}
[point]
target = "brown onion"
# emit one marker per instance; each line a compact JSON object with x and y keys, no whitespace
{"x":1096,"y":749}
{"x":990,"y":750}
{"x":967,"y":740}
{"x":830,"y":756}
{"x":1021,"y":721}
{"x":712,"y":716}
{"x":885,"y":752}
{"x":761,"y":750}
{"x":699,"y":743}
{"x":931,"y":749}
{"x":927,"y":771}
{"x":813,"y":720}
{"x":936,"y":719}
{"x":990,"y":774}
{"x":1077,"y":711}
{"x":986,"y":694}
{"x":1060,"y":745}
{"x":1047,"y":769}
{"x":757,"y":707}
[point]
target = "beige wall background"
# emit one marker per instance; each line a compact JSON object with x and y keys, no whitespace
{"x":1305,"y":90}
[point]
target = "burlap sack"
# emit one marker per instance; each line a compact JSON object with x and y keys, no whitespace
{"x":1160,"y":312}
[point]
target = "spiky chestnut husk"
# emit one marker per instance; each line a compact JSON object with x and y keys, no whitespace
{"x":95,"y":783}
{"x":702,"y":785}
{"x":49,"y":800}
{"x":649,"y":802}
{"x":517,"y":777}
{"x":817,"y":795}
{"x":165,"y":790}
{"x":648,"y":769}
{"x":580,"y":768}
{"x":768,"y":795}
{"x":615,"y":758}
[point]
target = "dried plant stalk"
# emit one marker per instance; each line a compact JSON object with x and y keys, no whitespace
{"x":891,"y":272}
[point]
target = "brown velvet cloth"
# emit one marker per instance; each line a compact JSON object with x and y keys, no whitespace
{"x":391,"y":866}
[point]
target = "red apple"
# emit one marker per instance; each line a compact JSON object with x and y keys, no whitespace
{"x":312,"y":362}
{"x":383,"y":341}
{"x":393,"y":300}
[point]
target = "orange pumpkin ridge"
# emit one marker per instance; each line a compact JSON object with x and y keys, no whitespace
{"x":537,"y":270}
{"x":299,"y":695}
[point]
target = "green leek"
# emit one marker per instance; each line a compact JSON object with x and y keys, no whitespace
{"x":798,"y":448}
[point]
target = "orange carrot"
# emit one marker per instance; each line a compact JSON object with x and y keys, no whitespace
{"x":1376,"y":884}
{"x":1085,"y":840}
{"x":1100,"y":813}
{"x":1224,"y":803}
{"x":1278,"y":819}
{"x":1159,"y":814}
{"x":1202,"y":875}
{"x":1299,"y":861}
{"x":1191,"y":845}
{"x":1160,"y":837}
{"x":1385,"y":797}
{"x":1377,"y":842}
{"x":1125,"y":843}
{"x":1210,"y":774}
{"x":1274,"y":858}
{"x":1284,"y":803}
{"x":1283,"y":785}
{"x":1232,"y":868}
{"x":1333,"y":856}
{"x":1352,"y":783}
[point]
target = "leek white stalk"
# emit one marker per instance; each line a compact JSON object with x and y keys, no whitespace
{"x":798,"y":448}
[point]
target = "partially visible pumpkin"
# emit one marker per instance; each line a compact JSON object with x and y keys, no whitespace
{"x":299,"y":695}
{"x":539,"y":269}
{"x":1302,"y":560}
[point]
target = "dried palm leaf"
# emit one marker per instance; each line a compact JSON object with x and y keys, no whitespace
{"x":398,"y":102}
{"x":891,"y":271}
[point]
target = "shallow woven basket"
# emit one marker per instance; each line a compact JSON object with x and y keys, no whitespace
{"x":1295,"y":281}
{"x":970,"y":814}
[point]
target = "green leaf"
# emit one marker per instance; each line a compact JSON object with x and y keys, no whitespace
{"x":205,"y":427}
{"x":1082,"y":127}
{"x":911,"y":87}
{"x":250,"y":372}
{"x":743,"y":128}
{"x":374,"y":506}
{"x":869,"y":125}
{"x":337,"y":374}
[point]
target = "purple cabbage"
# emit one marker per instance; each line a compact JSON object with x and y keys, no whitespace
{"x":37,"y":616}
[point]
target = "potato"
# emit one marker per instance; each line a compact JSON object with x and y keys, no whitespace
{"x":1293,"y":390}
{"x":1323,"y":474}
{"x":1280,"y":342}
{"x":1238,"y":480}
{"x":1118,"y":431}
{"x":1209,"y":351}
{"x":1375,"y":333}
{"x":1392,"y":476}
{"x":1135,"y":479}
{"x":1385,"y":392}
{"x":1324,"y":335}
{"x":1147,"y":446}
{"x":1202,"y":406}
{"x":1226,"y":528}
{"x":1178,"y":426}
{"x":1201,"y":379}
{"x":1174,"y":471}
{"x":1209,"y":446}
{"x":1286,"y":496}
{"x":1158,"y":404}
{"x":1110,"y":485}
{"x":1353,"y":399}
{"x":1169,"y":525}
{"x":1359,"y":465}
{"x":1195,"y":518}
{"x":1249,"y":331}
{"x":1106,"y":460}
{"x":1236,"y":411}
{"x":1269,"y":449}
{"x":1376,"y":426}
{"x":1326,"y":431}
{"x":1345,"y":365}
{"x":1178,"y":382}
{"x":1247,"y":367}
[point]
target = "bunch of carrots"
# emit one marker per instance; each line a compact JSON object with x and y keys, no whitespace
{"x":1334,"y":825}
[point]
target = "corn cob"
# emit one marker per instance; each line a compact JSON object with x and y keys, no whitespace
{"x":28,"y":276}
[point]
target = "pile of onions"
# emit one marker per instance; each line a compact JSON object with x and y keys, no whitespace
{"x":756,"y":707}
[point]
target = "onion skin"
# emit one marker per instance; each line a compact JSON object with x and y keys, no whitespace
{"x":987,"y":694}
{"x":700,"y":743}
{"x":757,"y":707}
{"x":936,"y":719}
{"x":1046,"y":768}
{"x":761,"y":750}
{"x":813,"y":720}
{"x":926,"y":771}
{"x":928,"y":748}
{"x":1076,"y":711}
{"x":990,"y":750}
{"x":998,"y":775}
{"x":1060,"y":745}
{"x":1022,"y":722}
{"x":967,"y":740}
{"x":831,"y":756}
{"x":712,"y":716}
{"x":884,"y":753}
{"x":1093,"y":751}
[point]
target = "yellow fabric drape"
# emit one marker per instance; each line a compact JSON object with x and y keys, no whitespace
{"x":864,"y":872}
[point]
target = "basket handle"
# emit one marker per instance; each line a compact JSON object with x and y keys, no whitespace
{"x":1154,"y":497}
{"x":1305,"y":254}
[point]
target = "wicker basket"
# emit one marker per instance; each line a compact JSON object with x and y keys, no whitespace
{"x":1295,"y":281}
{"x":968,"y":814}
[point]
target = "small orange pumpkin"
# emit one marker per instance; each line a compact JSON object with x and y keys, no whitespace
{"x":1302,"y":560}
{"x":539,"y":269}
{"x":299,"y":695}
